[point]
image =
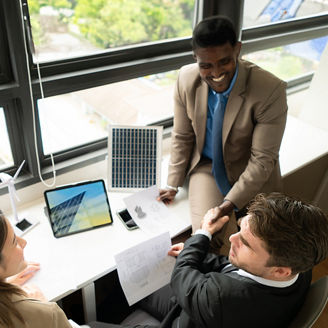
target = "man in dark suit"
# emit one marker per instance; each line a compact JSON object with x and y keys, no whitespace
{"x":263,"y":282}
{"x":228,"y":158}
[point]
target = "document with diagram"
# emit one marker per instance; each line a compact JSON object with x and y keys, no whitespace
{"x":152,"y":215}
{"x":144,"y":268}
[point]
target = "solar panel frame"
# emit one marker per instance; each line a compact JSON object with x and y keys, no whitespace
{"x":134,"y":157}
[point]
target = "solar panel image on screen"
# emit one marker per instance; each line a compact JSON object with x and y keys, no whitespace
{"x":64,"y":214}
{"x":134,"y":157}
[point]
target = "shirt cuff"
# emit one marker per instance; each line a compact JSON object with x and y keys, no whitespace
{"x":235,"y":209}
{"x":203,"y":232}
{"x":176,"y":189}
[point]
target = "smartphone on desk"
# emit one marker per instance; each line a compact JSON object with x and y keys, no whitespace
{"x":127,"y":220}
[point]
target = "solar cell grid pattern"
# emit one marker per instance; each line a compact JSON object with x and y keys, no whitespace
{"x":134,"y":153}
{"x":63,"y":215}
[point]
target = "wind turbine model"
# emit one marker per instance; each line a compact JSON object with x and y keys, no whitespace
{"x":23,"y":225}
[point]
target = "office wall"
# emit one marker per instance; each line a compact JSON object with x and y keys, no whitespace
{"x":310,"y":182}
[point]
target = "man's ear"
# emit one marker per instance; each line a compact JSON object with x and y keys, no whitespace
{"x":237,"y":48}
{"x":282,"y":273}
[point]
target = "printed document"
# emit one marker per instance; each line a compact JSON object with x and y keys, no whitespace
{"x":152,"y":215}
{"x":144,"y":268}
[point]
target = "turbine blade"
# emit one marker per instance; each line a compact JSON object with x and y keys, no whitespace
{"x":19,"y":169}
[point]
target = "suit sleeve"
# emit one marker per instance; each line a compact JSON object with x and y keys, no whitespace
{"x":182,"y":139}
{"x":196,"y":291}
{"x":270,"y":120}
{"x":213,"y":262}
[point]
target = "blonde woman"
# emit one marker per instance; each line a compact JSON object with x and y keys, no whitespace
{"x":22,"y":308}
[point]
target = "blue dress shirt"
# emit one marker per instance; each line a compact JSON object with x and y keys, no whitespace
{"x":217,"y":103}
{"x":213,"y":103}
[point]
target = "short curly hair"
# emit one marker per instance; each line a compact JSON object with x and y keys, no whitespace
{"x":213,"y":31}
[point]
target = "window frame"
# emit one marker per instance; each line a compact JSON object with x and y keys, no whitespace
{"x":116,"y":65}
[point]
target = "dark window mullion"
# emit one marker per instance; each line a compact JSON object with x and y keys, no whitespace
{"x":63,"y":83}
{"x":116,"y":57}
{"x":283,"y":33}
{"x":14,"y":127}
{"x":5,"y":67}
{"x":22,"y":118}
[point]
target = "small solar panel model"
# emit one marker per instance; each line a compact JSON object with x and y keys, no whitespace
{"x":134,"y":157}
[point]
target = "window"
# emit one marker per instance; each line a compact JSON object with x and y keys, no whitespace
{"x":140,"y":101}
{"x":99,"y":66}
{"x":264,"y":12}
{"x":63,"y":29}
{"x":291,"y":61}
{"x":6,"y":158}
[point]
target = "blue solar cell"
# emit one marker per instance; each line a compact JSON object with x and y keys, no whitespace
{"x":134,"y":152}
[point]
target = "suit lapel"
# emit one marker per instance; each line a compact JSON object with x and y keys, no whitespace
{"x":235,"y":102}
{"x":201,"y":114}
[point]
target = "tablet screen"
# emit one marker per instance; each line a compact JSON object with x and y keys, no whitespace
{"x":78,"y":207}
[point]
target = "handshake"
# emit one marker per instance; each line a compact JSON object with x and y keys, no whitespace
{"x":212,"y":223}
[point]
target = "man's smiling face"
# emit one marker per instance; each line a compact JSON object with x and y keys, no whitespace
{"x":217,"y":65}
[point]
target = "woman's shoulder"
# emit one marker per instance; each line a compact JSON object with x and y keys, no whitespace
{"x":40,"y":314}
{"x":24,"y":302}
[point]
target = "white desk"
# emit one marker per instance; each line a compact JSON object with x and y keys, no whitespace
{"x":76,"y":261}
{"x":301,"y":144}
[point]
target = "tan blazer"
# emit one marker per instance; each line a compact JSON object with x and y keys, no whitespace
{"x":253,"y":127}
{"x":39,"y":314}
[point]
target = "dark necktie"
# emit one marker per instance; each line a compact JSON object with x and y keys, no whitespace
{"x":218,"y":168}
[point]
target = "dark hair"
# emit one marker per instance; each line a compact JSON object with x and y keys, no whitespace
{"x":295,"y":233}
{"x":7,"y":308}
{"x":3,"y":233}
{"x":213,"y":31}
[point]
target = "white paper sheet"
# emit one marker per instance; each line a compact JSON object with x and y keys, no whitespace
{"x":151,"y":215}
{"x":145,"y":268}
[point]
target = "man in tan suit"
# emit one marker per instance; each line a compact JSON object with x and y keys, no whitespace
{"x":254,"y":109}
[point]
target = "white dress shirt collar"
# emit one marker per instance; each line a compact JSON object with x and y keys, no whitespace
{"x":267,"y":282}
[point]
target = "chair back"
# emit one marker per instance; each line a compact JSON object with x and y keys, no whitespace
{"x":314,"y":304}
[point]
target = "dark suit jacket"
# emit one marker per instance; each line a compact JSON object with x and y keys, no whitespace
{"x":205,"y":297}
{"x":253,"y":126}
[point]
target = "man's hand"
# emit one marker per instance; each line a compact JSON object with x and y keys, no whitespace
{"x":166,"y":196}
{"x":224,"y":209}
{"x":212,"y":222}
{"x":176,"y":249}
{"x":21,"y":278}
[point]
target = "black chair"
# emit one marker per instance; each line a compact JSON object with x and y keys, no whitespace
{"x":313,"y":306}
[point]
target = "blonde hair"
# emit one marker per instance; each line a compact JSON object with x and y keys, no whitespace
{"x":7,"y":307}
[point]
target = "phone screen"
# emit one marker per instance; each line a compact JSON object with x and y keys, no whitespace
{"x":127,"y":219}
{"x":23,"y":225}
